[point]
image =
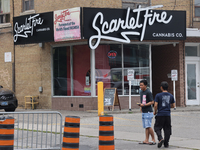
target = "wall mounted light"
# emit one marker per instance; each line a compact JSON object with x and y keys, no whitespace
{"x":41,"y":45}
{"x":40,"y":89}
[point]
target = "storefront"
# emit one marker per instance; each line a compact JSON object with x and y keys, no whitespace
{"x":118,"y":40}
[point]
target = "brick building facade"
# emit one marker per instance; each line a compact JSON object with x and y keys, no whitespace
{"x":31,"y":65}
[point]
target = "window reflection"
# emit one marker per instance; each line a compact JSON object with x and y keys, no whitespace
{"x":136,"y":57}
{"x":108,"y":61}
{"x":111,"y":65}
{"x":108,"y":64}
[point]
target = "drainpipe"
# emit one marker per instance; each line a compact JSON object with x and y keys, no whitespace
{"x":13,"y":64}
{"x":192,"y":5}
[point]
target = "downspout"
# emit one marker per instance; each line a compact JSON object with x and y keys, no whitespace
{"x":192,"y":4}
{"x":190,"y":25}
{"x":13,"y":64}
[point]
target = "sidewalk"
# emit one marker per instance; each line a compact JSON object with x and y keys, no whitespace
{"x":132,"y":139}
{"x":124,"y":140}
{"x":177,"y":109}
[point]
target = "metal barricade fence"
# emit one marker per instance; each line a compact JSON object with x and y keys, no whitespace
{"x":37,"y":130}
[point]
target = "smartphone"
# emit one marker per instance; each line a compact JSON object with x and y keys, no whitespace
{"x":138,"y":104}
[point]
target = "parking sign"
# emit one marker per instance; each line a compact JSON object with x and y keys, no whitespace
{"x":174,"y":75}
{"x":130,"y":74}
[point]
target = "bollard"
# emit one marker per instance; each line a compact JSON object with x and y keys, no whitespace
{"x":6,"y":133}
{"x":71,"y":133}
{"x":106,"y":133}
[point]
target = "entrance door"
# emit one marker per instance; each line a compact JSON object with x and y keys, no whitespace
{"x":192,"y":83}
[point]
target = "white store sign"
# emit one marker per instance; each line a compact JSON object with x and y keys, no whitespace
{"x":130,"y":74}
{"x":174,"y":75}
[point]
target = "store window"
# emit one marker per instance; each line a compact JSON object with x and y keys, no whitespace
{"x":61,"y":71}
{"x":191,"y":51}
{"x":71,"y":71}
{"x":28,"y":4}
{"x":4,"y":11}
{"x":133,"y":4}
{"x":109,"y":66}
{"x":81,"y":70}
{"x":197,"y":8}
{"x":136,"y":57}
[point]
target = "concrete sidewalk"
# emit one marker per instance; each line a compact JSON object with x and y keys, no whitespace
{"x":117,"y":111}
{"x":124,"y":140}
{"x":131,"y":139}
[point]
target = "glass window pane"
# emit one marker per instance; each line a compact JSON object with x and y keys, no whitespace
{"x":7,"y":18}
{"x":197,"y":3}
{"x":31,"y":4}
{"x":61,"y":71}
{"x":108,"y":66}
{"x":1,"y":18}
{"x":136,"y":57}
{"x":64,"y":84}
{"x":26,"y":5}
{"x":81,"y":70}
{"x":197,"y":11}
{"x":4,"y":6}
{"x":191,"y":81}
{"x":190,"y":50}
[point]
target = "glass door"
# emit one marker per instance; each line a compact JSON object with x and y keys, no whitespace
{"x":192,"y":83}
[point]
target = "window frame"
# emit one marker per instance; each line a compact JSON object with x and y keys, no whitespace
{"x":24,"y":6}
{"x":4,"y":17}
{"x":195,"y":11}
{"x":198,"y":50}
{"x":92,"y":63}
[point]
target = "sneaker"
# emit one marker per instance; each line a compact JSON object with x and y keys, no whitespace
{"x":166,"y":146}
{"x":160,"y":143}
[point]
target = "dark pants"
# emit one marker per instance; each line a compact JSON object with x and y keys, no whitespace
{"x":163,"y":122}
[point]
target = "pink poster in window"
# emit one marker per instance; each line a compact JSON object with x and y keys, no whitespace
{"x":67,"y":24}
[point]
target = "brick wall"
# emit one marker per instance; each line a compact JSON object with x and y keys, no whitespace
{"x":176,"y":5}
{"x":6,"y":45}
{"x":51,"y":5}
{"x":90,"y":103}
{"x":33,"y":69}
{"x":164,"y":59}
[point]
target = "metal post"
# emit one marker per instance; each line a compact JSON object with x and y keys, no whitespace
{"x":174,"y":92}
{"x":129,"y":95}
{"x":100,"y":99}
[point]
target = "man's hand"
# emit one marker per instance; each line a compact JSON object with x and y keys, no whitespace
{"x":154,"y":113}
{"x":141,"y":105}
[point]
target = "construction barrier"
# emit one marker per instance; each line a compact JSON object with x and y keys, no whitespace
{"x":6,"y":133}
{"x":41,"y":130}
{"x":106,"y":133}
{"x":71,"y":133}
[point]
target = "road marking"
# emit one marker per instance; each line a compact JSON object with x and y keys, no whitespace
{"x":125,"y":119}
{"x":182,"y":116}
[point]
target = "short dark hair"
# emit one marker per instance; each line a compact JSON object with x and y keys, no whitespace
{"x":164,"y":85}
{"x":144,"y":82}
